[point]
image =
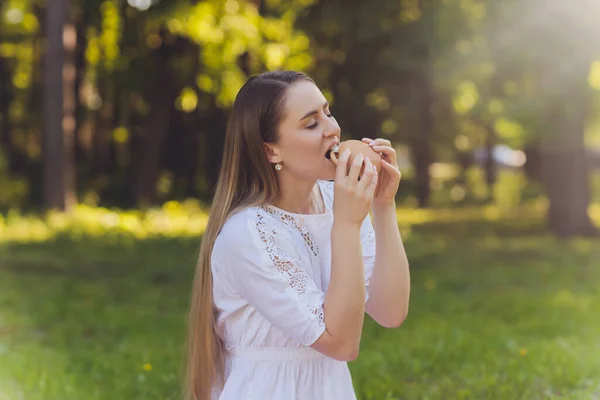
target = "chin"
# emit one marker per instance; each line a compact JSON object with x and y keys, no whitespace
{"x":324,"y":171}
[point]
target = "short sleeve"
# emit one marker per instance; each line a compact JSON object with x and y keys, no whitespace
{"x":367,"y":240}
{"x":266,"y":270}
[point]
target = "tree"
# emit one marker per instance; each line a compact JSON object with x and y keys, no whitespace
{"x":59,"y":108}
{"x":386,"y":66}
{"x":550,"y":57}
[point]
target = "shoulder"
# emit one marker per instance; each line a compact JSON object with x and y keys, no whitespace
{"x":234,"y":244}
{"x":250,"y":241}
{"x":248,"y":229}
{"x":236,"y":229}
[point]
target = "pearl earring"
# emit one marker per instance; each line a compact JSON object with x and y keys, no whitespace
{"x":278,"y":167}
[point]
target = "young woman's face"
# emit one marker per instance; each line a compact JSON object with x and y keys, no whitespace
{"x":307,"y":131}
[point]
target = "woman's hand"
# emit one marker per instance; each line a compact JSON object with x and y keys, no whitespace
{"x":353,"y":197}
{"x":389,"y":179}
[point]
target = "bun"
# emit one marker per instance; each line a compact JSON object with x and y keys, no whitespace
{"x":356,"y":147}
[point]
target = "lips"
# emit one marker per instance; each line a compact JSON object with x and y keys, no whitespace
{"x":335,"y":149}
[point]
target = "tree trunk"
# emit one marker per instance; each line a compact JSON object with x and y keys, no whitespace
{"x":59,"y":108}
{"x":163,"y":94}
{"x":81,"y":112}
{"x":178,"y":152}
{"x":421,"y":141}
{"x":215,"y":140}
{"x":182,"y":149}
{"x":565,"y":180}
{"x":5,"y":142}
{"x":564,"y":163}
{"x":104,"y":124}
{"x":490,"y":163}
{"x":69,"y":111}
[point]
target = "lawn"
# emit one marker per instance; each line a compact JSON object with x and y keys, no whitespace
{"x":499,"y":310}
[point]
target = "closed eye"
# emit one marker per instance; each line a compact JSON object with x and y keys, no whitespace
{"x":313,"y":126}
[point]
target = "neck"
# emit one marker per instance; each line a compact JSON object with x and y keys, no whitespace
{"x":298,"y":196}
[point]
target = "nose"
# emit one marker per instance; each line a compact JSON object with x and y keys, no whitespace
{"x":332,"y":128}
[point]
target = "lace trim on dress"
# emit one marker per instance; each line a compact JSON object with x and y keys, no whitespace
{"x":295,"y":275}
{"x":293,"y":223}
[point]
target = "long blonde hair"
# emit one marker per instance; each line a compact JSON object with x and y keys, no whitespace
{"x":246,"y":178}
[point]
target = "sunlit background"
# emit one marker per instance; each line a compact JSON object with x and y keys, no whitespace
{"x":112,"y":116}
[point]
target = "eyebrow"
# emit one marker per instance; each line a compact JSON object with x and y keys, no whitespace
{"x":313,"y":112}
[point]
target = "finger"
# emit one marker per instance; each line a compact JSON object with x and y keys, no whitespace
{"x":373,"y":184}
{"x":367,"y":140}
{"x":389,"y":168}
{"x":342,"y":166}
{"x":386,"y":151}
{"x":365,"y":179}
{"x":355,"y":168}
{"x":380,"y":142}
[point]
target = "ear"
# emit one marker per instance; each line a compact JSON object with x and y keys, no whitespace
{"x":272,"y":153}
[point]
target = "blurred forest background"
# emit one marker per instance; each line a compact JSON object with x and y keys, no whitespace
{"x":112,"y":120}
{"x":124,"y":103}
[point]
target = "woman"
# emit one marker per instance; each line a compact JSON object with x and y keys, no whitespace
{"x":290,"y":260}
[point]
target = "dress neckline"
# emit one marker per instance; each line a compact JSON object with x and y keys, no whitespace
{"x":327,"y":212}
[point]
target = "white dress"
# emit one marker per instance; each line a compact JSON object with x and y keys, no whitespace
{"x":271,"y":270}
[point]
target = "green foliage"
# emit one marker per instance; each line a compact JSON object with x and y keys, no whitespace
{"x":499,"y":310}
{"x":226,"y":30}
{"x":472,"y":68}
{"x":110,"y":36}
{"x":173,"y":219}
{"x":509,"y":190}
{"x":17,"y":18}
{"x":12,"y":190}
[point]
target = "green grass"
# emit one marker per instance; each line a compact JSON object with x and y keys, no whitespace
{"x":499,"y":310}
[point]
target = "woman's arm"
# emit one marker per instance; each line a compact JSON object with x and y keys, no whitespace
{"x":344,"y":306}
{"x":389,"y":288}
